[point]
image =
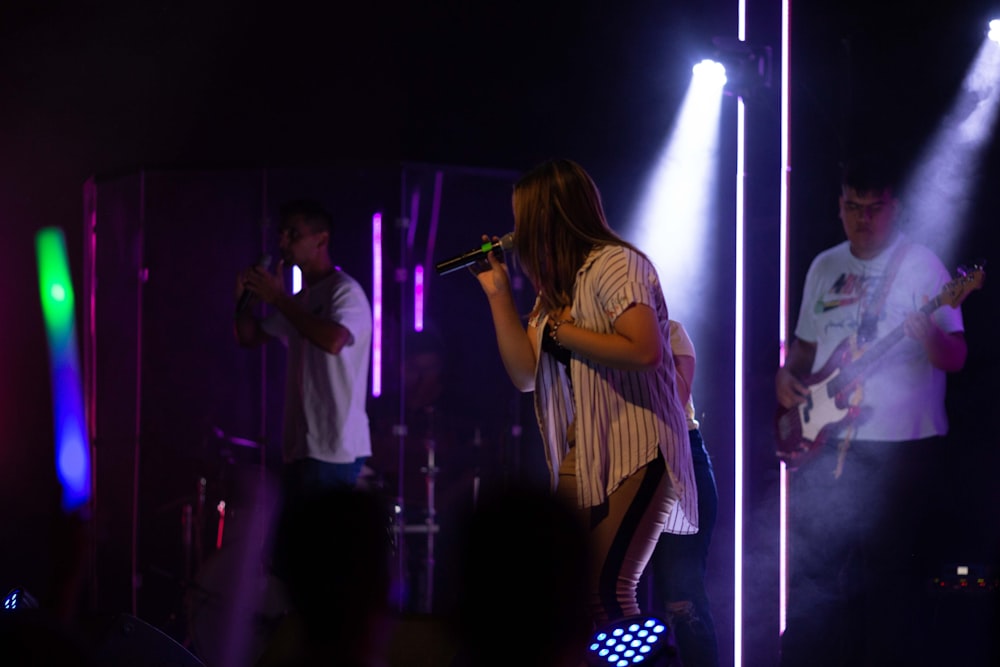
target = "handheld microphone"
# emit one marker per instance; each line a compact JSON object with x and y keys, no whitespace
{"x":264,"y":263}
{"x":505,"y":244}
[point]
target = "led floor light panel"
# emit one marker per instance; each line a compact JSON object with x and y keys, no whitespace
{"x":630,"y":641}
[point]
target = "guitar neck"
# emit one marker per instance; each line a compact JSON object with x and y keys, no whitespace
{"x":850,"y":372}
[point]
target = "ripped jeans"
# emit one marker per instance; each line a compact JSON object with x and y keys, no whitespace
{"x":677,"y":568}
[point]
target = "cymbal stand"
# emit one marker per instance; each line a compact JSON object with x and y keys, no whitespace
{"x":430,"y":520}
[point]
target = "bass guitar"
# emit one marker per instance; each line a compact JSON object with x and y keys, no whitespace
{"x":802,"y":430}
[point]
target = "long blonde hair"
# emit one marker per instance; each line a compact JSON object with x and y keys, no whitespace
{"x":558,"y":220}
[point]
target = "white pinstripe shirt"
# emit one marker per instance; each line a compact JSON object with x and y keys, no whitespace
{"x":621,"y":416}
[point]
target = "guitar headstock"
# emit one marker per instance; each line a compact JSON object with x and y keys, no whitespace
{"x":970,"y":278}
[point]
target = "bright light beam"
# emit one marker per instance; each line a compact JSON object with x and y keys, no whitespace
{"x":676,"y":215}
{"x":936,"y":197}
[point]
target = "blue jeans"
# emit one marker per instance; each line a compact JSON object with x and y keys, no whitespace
{"x":306,"y":477}
{"x":678,"y":571}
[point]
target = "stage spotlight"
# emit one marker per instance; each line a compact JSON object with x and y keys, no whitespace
{"x":711,"y":72}
{"x":632,"y":640}
{"x":994,"y":32}
{"x":940,"y":190}
{"x":747,"y":66}
{"x":18,"y":598}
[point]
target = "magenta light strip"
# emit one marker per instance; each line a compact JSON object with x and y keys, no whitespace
{"x":738,"y":439}
{"x":786,"y":167}
{"x":738,"y":385}
{"x":435,"y":217}
{"x":377,"y":304}
{"x":411,"y":228}
{"x":418,"y":297}
{"x":90,"y":397}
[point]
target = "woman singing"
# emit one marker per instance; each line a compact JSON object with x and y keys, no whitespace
{"x":596,"y":352}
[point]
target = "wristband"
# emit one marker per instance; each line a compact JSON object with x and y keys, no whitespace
{"x":554,"y":329}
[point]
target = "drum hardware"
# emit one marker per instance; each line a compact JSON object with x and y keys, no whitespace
{"x":430,"y":522}
{"x":222,"y":436}
{"x":232,"y":593}
{"x":428,"y":526}
{"x":221,"y":510}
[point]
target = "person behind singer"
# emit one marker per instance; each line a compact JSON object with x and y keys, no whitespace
{"x":327,"y":327}
{"x":595,"y":350}
{"x":859,"y":521}
{"x":430,"y":467}
{"x":678,"y":563}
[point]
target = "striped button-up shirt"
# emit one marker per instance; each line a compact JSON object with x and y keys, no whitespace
{"x":621,"y":417}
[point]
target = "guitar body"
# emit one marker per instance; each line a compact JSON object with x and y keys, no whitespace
{"x":834,"y":390}
{"x":804,"y":429}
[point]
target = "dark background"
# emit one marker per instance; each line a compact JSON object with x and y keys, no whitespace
{"x":184,"y":87}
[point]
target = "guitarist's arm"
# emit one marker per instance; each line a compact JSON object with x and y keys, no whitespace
{"x":946,"y":351}
{"x":798,"y":364}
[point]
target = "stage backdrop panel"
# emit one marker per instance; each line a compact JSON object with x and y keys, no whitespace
{"x":181,"y":417}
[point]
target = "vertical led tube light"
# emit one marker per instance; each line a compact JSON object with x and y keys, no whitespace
{"x":738,"y":385}
{"x":786,"y":168}
{"x":418,"y":297}
{"x":435,"y":219}
{"x":72,"y":449}
{"x":738,"y":463}
{"x":377,"y":304}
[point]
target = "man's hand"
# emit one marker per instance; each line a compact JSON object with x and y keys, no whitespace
{"x":946,"y":351}
{"x":267,"y":286}
{"x":789,"y":390}
{"x":788,"y":385}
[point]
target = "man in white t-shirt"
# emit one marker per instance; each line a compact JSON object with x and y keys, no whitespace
{"x":858,"y":506}
{"x":327,"y":327}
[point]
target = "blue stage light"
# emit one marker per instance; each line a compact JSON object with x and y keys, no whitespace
{"x":18,"y":598}
{"x":635,"y":640}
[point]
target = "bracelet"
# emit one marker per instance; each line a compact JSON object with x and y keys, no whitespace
{"x":554,"y":329}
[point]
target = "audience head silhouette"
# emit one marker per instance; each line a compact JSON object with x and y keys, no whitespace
{"x":522,"y":575}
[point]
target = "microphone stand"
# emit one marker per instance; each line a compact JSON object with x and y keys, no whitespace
{"x":400,"y":430}
{"x":429,"y":526}
{"x":398,"y":519}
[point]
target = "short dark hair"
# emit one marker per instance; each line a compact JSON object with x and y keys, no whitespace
{"x":315,"y":216}
{"x":869,"y":172}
